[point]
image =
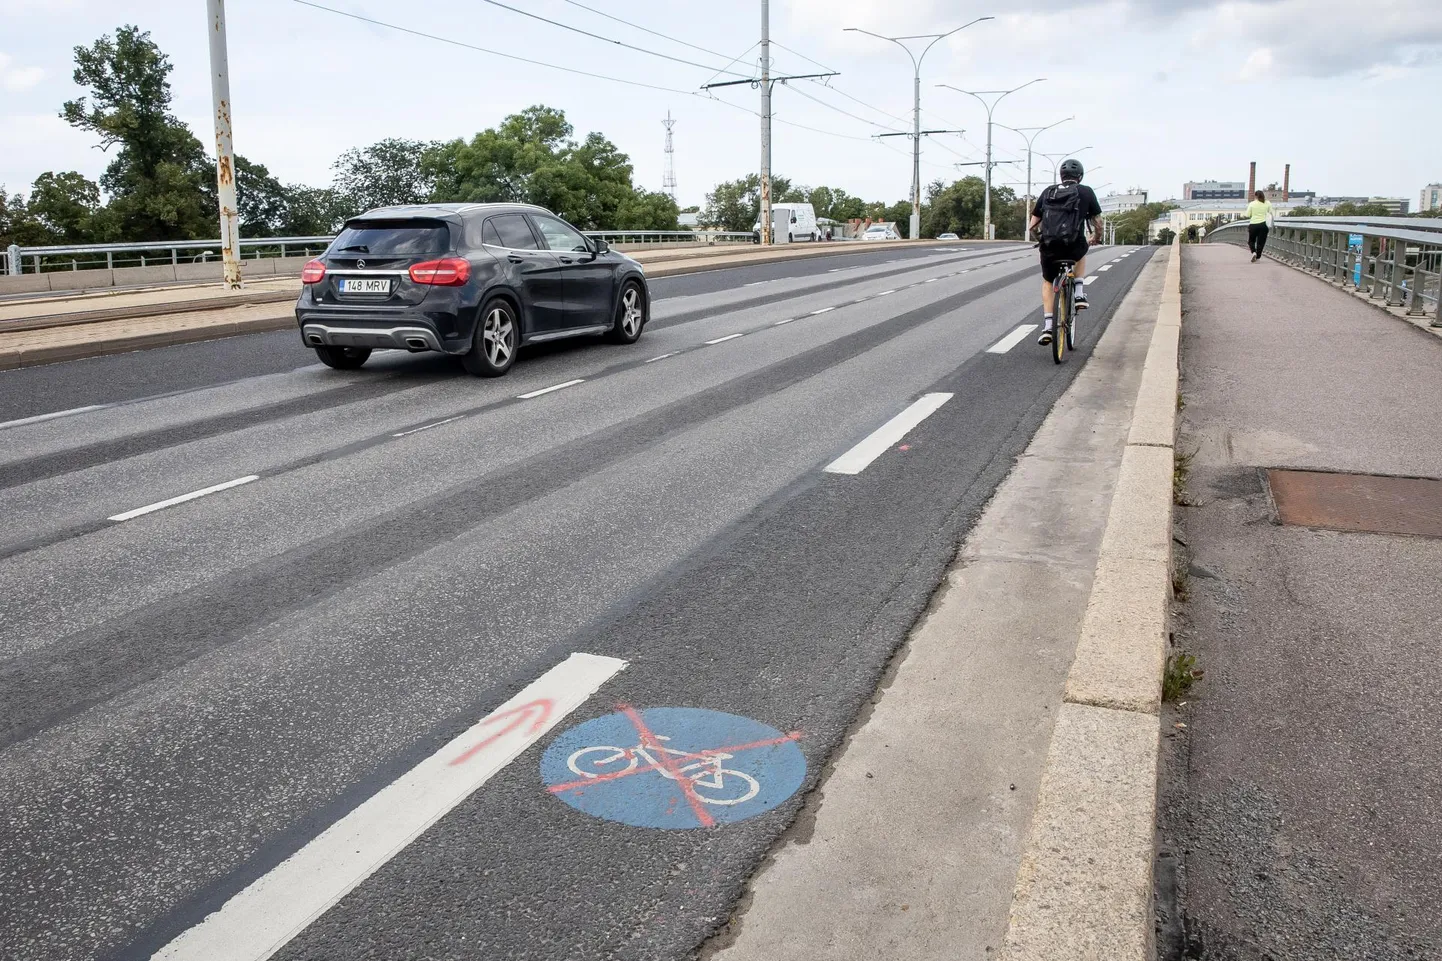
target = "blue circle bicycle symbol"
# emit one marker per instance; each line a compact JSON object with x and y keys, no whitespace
{"x":673,"y":767}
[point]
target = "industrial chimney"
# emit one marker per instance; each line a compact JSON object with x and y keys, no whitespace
{"x":1252,"y":181}
{"x":1287,"y":183}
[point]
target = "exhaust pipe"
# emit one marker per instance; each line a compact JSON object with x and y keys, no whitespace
{"x":316,"y":340}
{"x":416,"y":344}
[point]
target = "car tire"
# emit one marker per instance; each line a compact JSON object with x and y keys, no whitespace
{"x":343,"y":358}
{"x":632,"y":313}
{"x":495,"y":342}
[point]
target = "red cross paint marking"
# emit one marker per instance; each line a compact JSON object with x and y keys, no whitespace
{"x":650,"y":743}
{"x":646,"y":768}
{"x":537,"y":711}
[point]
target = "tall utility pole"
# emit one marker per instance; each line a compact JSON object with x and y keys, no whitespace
{"x":224,"y":147}
{"x":1034,"y":133}
{"x":990,"y":107}
{"x":766,"y":83}
{"x":916,"y":131}
{"x":668,"y":176}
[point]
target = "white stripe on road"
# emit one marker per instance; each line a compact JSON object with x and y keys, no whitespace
{"x":756,"y":283}
{"x":786,"y":321}
{"x":1088,"y":280}
{"x":931,"y":280}
{"x":1011,"y":339}
{"x":821,"y":311}
{"x":885,"y":292}
{"x":722,"y":340}
{"x":417,"y":430}
{"x":662,"y":357}
{"x":161,"y":505}
{"x":261,"y":919}
{"x":547,"y":390}
{"x":1101,"y":269}
{"x":41,"y":418}
{"x":860,"y":457}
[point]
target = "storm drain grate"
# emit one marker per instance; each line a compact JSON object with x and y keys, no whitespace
{"x":1358,"y":502}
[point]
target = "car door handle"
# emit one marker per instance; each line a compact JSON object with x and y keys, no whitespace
{"x":516,"y":258}
{"x":567,"y":260}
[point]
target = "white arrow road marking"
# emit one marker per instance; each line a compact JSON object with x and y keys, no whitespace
{"x":860,"y":457}
{"x":260,"y":920}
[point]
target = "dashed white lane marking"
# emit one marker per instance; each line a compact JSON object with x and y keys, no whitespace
{"x":41,"y":418}
{"x":932,"y":280}
{"x":722,"y":340}
{"x":1089,"y":279}
{"x":662,"y":357}
{"x":1011,"y":339}
{"x":786,"y":321}
{"x":821,"y":311}
{"x":892,"y":291}
{"x":1104,"y":268}
{"x":547,"y":390}
{"x":860,"y":457}
{"x":417,"y":430}
{"x":756,"y":283}
{"x":261,"y":919}
{"x":171,"y":502}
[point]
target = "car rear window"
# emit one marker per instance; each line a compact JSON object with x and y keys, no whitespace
{"x":394,"y":238}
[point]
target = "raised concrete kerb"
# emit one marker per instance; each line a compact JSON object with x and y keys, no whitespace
{"x":1084,"y":887}
{"x":1083,"y":892}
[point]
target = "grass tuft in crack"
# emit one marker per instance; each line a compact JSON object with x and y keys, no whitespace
{"x":1181,"y":673}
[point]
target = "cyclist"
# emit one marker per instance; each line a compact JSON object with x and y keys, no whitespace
{"x":1061,"y":217}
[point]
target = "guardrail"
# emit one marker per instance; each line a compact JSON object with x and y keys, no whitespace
{"x":1397,"y":260}
{"x":34,"y":260}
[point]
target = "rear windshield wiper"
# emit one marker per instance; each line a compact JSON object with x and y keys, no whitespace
{"x":361,"y":247}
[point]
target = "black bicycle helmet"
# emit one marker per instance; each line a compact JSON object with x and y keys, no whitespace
{"x":1072,"y":170}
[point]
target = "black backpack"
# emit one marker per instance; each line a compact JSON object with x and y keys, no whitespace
{"x":1063,"y":224}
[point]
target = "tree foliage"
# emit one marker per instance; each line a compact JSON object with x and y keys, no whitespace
{"x":961,"y":209}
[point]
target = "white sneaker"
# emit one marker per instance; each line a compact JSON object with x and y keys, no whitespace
{"x":1047,"y":331}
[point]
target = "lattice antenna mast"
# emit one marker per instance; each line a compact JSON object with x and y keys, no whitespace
{"x":668,"y":178}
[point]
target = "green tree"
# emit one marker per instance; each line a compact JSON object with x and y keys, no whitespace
{"x":736,"y":204}
{"x":162,"y":186}
{"x":960,"y":208}
{"x":645,"y":210}
{"x":389,"y":173}
{"x":1134,"y":226}
{"x":67,"y":206}
{"x":1348,"y":209}
{"x":313,"y":212}
{"x":260,"y":198}
{"x":17,"y":225}
{"x":1165,"y":236}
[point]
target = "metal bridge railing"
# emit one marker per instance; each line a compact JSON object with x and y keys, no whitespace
{"x":36,"y":260}
{"x":1396,"y":260}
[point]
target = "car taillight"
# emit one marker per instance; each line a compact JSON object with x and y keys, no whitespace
{"x":312,"y":273}
{"x":450,"y":272}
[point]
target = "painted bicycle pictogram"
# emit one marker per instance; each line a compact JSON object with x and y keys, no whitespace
{"x":703,"y":769}
{"x":673,"y":767}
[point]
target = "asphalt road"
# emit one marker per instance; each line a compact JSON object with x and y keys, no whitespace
{"x":198,"y":701}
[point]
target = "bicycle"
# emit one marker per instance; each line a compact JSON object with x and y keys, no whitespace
{"x":709,"y":773}
{"x":1064,"y":290}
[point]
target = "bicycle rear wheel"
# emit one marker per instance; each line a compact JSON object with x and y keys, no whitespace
{"x":1071,"y":319}
{"x":1063,"y":310}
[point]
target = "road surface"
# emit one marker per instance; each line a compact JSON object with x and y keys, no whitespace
{"x":294,"y":641}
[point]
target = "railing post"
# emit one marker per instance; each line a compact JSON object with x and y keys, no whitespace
{"x":12,"y":257}
{"x":1399,"y":269}
{"x":174,"y":256}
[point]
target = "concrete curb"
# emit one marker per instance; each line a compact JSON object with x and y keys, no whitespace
{"x":1085,"y":884}
{"x":109,"y":342}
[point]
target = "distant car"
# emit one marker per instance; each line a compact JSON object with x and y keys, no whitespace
{"x":478,"y":281}
{"x":947,"y":236}
{"x":880,"y":232}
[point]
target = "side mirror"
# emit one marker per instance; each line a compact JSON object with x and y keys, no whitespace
{"x":602,"y":247}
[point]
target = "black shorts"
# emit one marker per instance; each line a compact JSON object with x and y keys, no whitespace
{"x":1053,"y":257}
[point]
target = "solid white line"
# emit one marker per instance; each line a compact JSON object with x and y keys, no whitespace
{"x":547,"y":390}
{"x":161,"y":505}
{"x":417,"y":430}
{"x":722,"y":340}
{"x":1011,"y":339}
{"x":40,"y":418}
{"x":821,"y":311}
{"x":261,"y":919}
{"x":860,"y":457}
{"x":662,"y":357}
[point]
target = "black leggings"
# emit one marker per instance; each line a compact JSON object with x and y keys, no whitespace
{"x":1257,"y":238}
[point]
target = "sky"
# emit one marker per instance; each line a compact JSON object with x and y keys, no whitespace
{"x":1162,"y":91}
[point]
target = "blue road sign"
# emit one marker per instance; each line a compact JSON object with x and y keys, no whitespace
{"x":673,"y":767}
{"x":1354,"y":241}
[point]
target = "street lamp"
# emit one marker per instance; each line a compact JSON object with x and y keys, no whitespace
{"x":916,"y":107}
{"x":1035,"y":132}
{"x":1000,"y":96}
{"x":1057,"y":158}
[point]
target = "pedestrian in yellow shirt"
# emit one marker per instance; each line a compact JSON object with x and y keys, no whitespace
{"x":1259,"y":212}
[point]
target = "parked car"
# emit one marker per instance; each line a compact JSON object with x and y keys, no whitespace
{"x":801,"y":219}
{"x":479,"y":281}
{"x":947,"y":236}
{"x":881,"y":232}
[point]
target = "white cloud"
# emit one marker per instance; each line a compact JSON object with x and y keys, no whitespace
{"x":1258,"y":65}
{"x":14,"y":77}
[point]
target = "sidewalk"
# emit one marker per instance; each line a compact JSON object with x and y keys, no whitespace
{"x":1302,"y":800}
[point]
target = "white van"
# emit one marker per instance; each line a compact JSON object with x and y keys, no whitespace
{"x":803,"y":223}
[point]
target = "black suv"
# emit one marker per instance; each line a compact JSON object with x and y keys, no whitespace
{"x":476,"y":280}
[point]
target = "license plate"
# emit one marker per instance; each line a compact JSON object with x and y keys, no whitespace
{"x":365,"y":285}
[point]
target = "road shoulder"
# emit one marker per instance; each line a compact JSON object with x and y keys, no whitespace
{"x":911,"y":845}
